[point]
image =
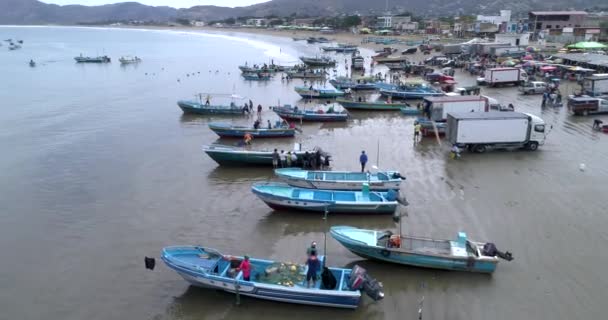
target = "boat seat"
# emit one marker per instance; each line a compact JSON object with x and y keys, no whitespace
{"x":322,"y":195}
{"x":344,"y":196}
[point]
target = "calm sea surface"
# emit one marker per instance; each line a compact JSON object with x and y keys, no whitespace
{"x":99,"y":168}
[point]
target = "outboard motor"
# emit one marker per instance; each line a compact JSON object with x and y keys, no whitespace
{"x":150,"y":263}
{"x":490,"y":250}
{"x":360,"y":280}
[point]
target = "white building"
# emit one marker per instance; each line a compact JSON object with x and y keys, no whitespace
{"x":392,"y":22}
{"x":198,"y":23}
{"x":505,"y":16}
{"x":514,"y":39}
{"x":257,"y":22}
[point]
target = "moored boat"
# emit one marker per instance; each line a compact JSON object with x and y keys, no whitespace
{"x":390,"y":59}
{"x":200,"y":107}
{"x":256,"y":76}
{"x":281,"y":196}
{"x":288,"y":112}
{"x":306,"y":74}
{"x":318,"y":93}
{"x":318,"y":62}
{"x":460,"y":254}
{"x":32,"y":63}
{"x":410,"y":90}
{"x":271,"y":280}
{"x":99,"y":59}
{"x":374,"y":105}
{"x":233,"y":156}
{"x":358,"y":62}
{"x":129,"y":60}
{"x":410,"y":111}
{"x":343,"y":83}
{"x":227,"y":130}
{"x":340,"y":180}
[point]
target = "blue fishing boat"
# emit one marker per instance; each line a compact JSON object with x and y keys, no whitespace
{"x":318,"y":93}
{"x":233,"y":156}
{"x":281,"y":196}
{"x":410,"y":111}
{"x":100,"y":59}
{"x":256,"y":76}
{"x":340,"y":180}
{"x":288,"y":112}
{"x":206,"y":107}
{"x":227,"y":130}
{"x":271,"y":280}
{"x":430,"y":128}
{"x":409,"y":90}
{"x":460,"y":254}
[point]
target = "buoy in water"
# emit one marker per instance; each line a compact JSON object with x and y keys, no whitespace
{"x":150,"y":263}
{"x":582,"y":167}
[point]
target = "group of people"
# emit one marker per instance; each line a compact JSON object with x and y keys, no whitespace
{"x":552,"y":95}
{"x":314,"y":161}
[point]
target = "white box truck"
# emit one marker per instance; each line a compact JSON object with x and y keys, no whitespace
{"x":596,"y":85}
{"x":439,"y":107}
{"x":477,"y":131}
{"x":503,"y":76}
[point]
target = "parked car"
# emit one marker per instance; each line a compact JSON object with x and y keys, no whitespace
{"x":533,"y":87}
{"x":436,"y":60}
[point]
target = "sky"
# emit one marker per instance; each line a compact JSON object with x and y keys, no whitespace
{"x":171,"y":3}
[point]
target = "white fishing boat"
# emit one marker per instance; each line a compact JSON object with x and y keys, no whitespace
{"x":340,"y":180}
{"x":129,"y":60}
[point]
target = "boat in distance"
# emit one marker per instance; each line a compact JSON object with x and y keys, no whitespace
{"x":281,"y":196}
{"x":459,"y":255}
{"x":195,"y":107}
{"x":270,"y":280}
{"x":288,"y":112}
{"x":230,"y":131}
{"x":100,"y":59}
{"x":318,"y":93}
{"x":340,"y":180}
{"x":373,"y":105}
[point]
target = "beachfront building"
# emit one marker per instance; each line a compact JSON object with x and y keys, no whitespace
{"x":513,"y":39}
{"x":257,"y":22}
{"x":561,"y":26}
{"x":393,"y":22}
{"x":504,"y":17}
{"x":304,"y":22}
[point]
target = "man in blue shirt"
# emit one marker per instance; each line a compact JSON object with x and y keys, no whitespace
{"x":363,"y":160}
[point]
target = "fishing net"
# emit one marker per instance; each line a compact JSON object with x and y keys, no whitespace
{"x":284,"y":274}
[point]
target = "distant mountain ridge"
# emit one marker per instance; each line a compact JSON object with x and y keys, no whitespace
{"x":36,"y":12}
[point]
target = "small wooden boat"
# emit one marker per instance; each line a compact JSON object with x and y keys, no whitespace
{"x":233,"y":156}
{"x":318,"y":62}
{"x":410,"y":111}
{"x":227,"y":130}
{"x":129,"y":60}
{"x":200,"y":107}
{"x":318,"y":93}
{"x":410,"y":50}
{"x":306,"y":74}
{"x":281,"y":196}
{"x":272,"y":68}
{"x":340,"y":180}
{"x":14,"y":46}
{"x":460,"y":254}
{"x":100,"y":59}
{"x":374,"y":105}
{"x":256,"y":76}
{"x":271,"y":280}
{"x":32,"y":63}
{"x":410,"y":90}
{"x":317,"y":40}
{"x":340,"y":49}
{"x":288,"y":112}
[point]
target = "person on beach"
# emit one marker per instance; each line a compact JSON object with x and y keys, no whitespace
{"x":283,"y":159}
{"x":259,"y":111}
{"x":363,"y":160}
{"x":417,"y":128}
{"x":269,"y":125}
{"x":288,"y":158}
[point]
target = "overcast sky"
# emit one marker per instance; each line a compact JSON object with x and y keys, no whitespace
{"x":172,"y":3}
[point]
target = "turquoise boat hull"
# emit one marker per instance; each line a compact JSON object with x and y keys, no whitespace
{"x":207,"y":268}
{"x":410,"y":111}
{"x":229,"y":156}
{"x":435,"y":254}
{"x":306,"y":93}
{"x":281,"y":197}
{"x":289,"y":113}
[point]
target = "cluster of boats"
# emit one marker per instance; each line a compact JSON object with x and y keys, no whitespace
{"x":105,"y":59}
{"x":13,"y":45}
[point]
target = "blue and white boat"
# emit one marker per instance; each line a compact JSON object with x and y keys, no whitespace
{"x":318,"y":93}
{"x":409,"y":90}
{"x":228,"y":130}
{"x":343,"y":83}
{"x":281,"y":196}
{"x":207,"y":107}
{"x":340,"y":180}
{"x":208,"y":268}
{"x":460,"y":254}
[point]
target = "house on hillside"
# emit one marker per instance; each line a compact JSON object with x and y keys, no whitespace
{"x":392,"y":22}
{"x":257,"y":22}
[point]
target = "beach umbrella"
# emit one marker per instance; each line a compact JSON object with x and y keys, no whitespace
{"x":528,"y":57}
{"x":587,"y":45}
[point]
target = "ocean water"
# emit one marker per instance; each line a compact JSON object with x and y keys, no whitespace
{"x":100,"y":168}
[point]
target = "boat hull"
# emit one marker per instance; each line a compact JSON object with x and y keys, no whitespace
{"x":238,"y":132}
{"x":245,"y":158}
{"x":371,"y":105}
{"x":325,"y":298}
{"x":197,"y":108}
{"x":329,"y":185}
{"x":312,"y":117}
{"x":411,"y":111}
{"x":409,"y":94}
{"x":414,"y":259}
